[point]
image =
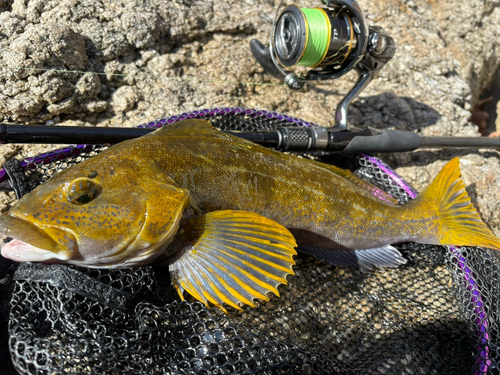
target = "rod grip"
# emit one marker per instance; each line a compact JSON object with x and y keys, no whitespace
{"x":303,"y":139}
{"x":387,"y":141}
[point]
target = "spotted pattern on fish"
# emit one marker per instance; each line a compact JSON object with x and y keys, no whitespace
{"x":124,"y":207}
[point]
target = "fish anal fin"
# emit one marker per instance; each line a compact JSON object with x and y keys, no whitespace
{"x":231,"y":257}
{"x":367,"y":259}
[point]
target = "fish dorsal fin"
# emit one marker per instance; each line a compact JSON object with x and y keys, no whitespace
{"x":358,"y":181}
{"x":203,"y":128}
{"x":231,"y":257}
{"x":190,"y":127}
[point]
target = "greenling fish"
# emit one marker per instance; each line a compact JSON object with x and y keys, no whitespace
{"x":226,"y":214}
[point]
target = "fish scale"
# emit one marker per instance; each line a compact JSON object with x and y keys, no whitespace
{"x":298,"y":194}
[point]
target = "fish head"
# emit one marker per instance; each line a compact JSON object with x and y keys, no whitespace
{"x":96,"y":219}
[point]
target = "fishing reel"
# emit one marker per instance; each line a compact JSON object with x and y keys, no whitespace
{"x":330,"y":42}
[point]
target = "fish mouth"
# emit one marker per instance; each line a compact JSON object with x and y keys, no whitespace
{"x":31,"y":244}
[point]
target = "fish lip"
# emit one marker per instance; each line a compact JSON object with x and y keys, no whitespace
{"x":30,"y":237}
{"x":20,"y":251}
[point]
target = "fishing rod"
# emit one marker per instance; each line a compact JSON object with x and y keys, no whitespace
{"x":305,"y":139}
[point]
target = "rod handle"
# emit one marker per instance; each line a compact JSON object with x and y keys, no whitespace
{"x":387,"y":141}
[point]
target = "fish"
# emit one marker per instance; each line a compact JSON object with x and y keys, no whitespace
{"x":226,"y":215}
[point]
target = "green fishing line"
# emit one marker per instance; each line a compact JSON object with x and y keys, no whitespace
{"x":318,"y":37}
{"x":145,"y":75}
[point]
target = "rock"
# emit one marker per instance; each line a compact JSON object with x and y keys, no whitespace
{"x":5,"y":5}
{"x":123,"y":99}
{"x":33,"y":92}
{"x":156,"y":58}
{"x":8,"y":151}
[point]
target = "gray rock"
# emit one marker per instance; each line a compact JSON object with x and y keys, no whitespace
{"x":497,"y":121}
{"x":33,"y":91}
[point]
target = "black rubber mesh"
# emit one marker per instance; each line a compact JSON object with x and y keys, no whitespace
{"x":438,"y":314}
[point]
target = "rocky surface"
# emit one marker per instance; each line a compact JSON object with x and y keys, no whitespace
{"x":156,"y":58}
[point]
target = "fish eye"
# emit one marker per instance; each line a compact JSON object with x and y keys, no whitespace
{"x":83,"y":190}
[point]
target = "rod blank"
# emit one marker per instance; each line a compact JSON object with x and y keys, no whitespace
{"x":67,"y":134}
{"x":460,"y":142}
{"x":283,"y":139}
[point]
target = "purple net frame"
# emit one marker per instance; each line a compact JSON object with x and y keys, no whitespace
{"x":50,"y":157}
{"x":482,"y":359}
{"x":229,"y":111}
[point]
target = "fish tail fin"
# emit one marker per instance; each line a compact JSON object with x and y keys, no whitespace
{"x":459,"y":222}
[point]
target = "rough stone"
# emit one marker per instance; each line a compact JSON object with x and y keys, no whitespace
{"x":157,"y":58}
{"x":123,"y":99}
{"x":32,"y":90}
{"x":5,"y":5}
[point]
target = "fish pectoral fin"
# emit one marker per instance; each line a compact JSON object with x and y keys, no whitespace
{"x":367,"y":259}
{"x":231,"y":257}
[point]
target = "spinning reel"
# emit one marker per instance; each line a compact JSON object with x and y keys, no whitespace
{"x":330,"y":41}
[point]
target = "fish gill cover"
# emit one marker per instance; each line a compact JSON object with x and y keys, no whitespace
{"x":438,"y":314}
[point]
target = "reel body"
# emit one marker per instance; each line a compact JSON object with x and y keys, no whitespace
{"x":331,"y":41}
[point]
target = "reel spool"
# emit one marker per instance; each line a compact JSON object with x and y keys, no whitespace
{"x":330,"y":41}
{"x":313,"y":37}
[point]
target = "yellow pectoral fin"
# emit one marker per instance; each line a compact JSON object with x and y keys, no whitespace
{"x":231,"y":257}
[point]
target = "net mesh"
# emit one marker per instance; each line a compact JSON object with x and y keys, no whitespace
{"x":438,"y":314}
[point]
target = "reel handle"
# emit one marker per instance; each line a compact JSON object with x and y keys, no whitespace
{"x":263,"y":55}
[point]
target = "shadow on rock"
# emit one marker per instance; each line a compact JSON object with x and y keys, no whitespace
{"x":388,"y":110}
